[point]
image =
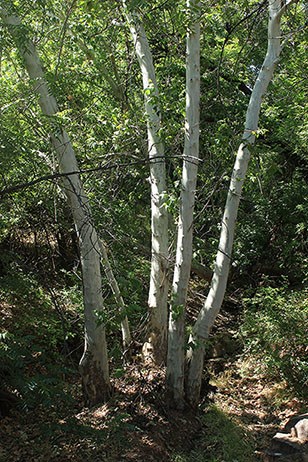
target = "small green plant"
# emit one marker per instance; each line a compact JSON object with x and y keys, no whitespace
{"x":223,"y":441}
{"x":275,"y":328}
{"x":177,"y":311}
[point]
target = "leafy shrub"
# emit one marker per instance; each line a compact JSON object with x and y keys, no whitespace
{"x":28,"y":372}
{"x":32,"y":364}
{"x":275,"y":328}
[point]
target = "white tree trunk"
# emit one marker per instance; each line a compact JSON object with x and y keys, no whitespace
{"x":156,"y":346}
{"x":176,"y":337}
{"x":126,"y":336}
{"x":94,"y":362}
{"x":217,"y":290}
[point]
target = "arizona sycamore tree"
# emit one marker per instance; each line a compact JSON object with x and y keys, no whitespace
{"x":217,"y":290}
{"x":176,"y":338}
{"x":94,"y":362}
{"x":156,"y":346}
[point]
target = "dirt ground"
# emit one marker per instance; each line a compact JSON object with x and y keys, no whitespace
{"x":137,"y":426}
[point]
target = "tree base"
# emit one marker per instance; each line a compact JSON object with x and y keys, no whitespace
{"x":96,"y":387}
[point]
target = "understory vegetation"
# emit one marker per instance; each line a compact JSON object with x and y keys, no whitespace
{"x":255,"y":377}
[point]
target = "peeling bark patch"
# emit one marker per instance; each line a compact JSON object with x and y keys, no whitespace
{"x":95,"y":388}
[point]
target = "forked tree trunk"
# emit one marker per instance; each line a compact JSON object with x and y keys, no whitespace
{"x":94,"y":362}
{"x":176,"y":338}
{"x":156,"y":346}
{"x":217,"y":290}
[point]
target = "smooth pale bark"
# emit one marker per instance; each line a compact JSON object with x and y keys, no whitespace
{"x":156,"y":346}
{"x":117,"y":91}
{"x":176,"y":335}
{"x":94,"y":362}
{"x":217,"y":290}
{"x":126,"y":336}
{"x":113,"y":81}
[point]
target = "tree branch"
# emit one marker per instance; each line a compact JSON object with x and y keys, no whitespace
{"x":284,"y":7}
{"x":54,"y":176}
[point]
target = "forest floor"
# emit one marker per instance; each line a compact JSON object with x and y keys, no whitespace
{"x":240,"y":411}
{"x":236,"y":424}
